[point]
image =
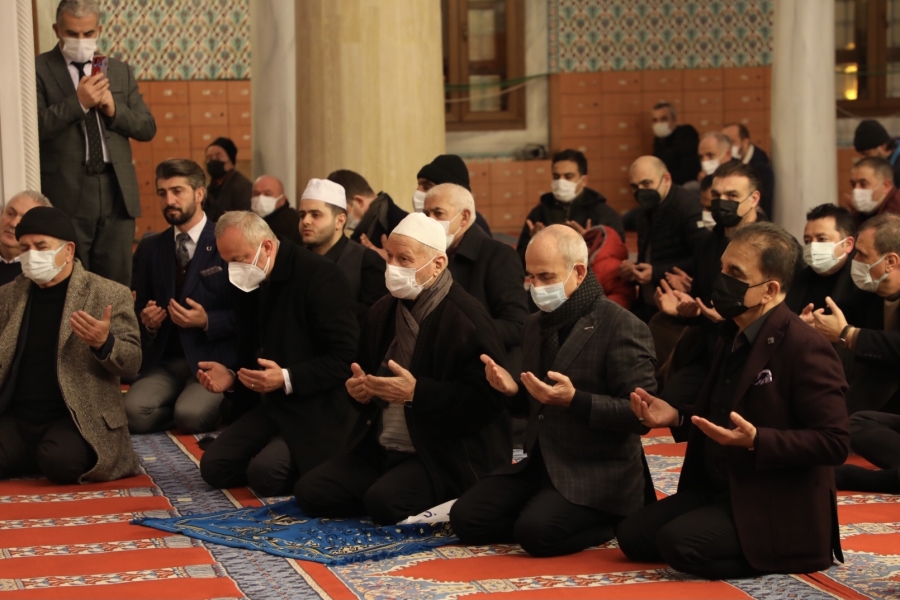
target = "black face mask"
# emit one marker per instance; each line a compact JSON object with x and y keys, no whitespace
{"x":647,"y":199}
{"x":215,"y":168}
{"x":725,"y":213}
{"x":728,"y":295}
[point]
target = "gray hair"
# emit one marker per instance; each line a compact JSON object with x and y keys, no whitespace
{"x":571,"y":246}
{"x":77,"y":8}
{"x":887,"y":232}
{"x":460,"y":198}
{"x":35,"y":196}
{"x":723,"y":140}
{"x":251,"y":225}
{"x":668,"y":105}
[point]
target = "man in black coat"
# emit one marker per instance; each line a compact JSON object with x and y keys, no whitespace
{"x":570,"y":203}
{"x":585,"y":468}
{"x":430,"y":426}
{"x":228,"y":189}
{"x":674,"y":144}
{"x":12,"y":213}
{"x":446,"y":168}
{"x":744,"y":150}
{"x":871,"y":139}
{"x":670,"y":225}
{"x":372,"y":217}
{"x":829,"y":238}
{"x":487,"y":269}
{"x":296,"y":338}
{"x":269,"y":202}
{"x":323,"y":213}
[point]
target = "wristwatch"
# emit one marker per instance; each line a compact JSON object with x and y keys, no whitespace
{"x":842,"y":338}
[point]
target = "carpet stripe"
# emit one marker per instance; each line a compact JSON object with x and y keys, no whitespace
{"x":38,"y":486}
{"x":681,"y":590}
{"x":80,"y":508}
{"x":830,"y":586}
{"x":173,"y":541}
{"x":113,"y":562}
{"x":182,"y":589}
{"x":86,"y":534}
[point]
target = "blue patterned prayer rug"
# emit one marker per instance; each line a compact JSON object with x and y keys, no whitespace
{"x":282,"y":529}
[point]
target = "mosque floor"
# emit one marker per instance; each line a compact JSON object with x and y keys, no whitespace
{"x":76,"y":542}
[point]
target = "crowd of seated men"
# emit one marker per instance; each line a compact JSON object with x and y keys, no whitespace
{"x":372,"y":362}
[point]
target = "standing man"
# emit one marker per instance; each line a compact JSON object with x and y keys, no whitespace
{"x":323,"y":214}
{"x":296,"y":339}
{"x":872,"y":139}
{"x":669,"y":230}
{"x":272,"y":205}
{"x":84,"y":123}
{"x":585,"y":468}
{"x":446,"y":168}
{"x":756,"y":493}
{"x":674,"y":144}
{"x":874,"y":192}
{"x":744,"y":150}
{"x":714,"y":151}
{"x":228,"y":188}
{"x":10,"y":253}
{"x":186,"y":308}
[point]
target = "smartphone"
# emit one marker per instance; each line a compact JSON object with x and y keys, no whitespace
{"x":99,"y":64}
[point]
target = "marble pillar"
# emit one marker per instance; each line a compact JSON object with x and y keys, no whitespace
{"x":369,"y":90}
{"x":19,"y":146}
{"x":273,"y":75}
{"x":803,"y":110}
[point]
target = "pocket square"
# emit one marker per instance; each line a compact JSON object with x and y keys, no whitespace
{"x":211,"y":271}
{"x":764,"y":377}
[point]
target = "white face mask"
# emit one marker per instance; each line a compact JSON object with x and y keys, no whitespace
{"x":352,"y":222}
{"x":736,"y":152}
{"x":79,"y":50}
{"x":564,"y":190}
{"x":820,"y":255}
{"x":247,"y":277}
{"x":708,"y":221}
{"x":709,"y":166}
{"x":550,"y":297}
{"x":863,"y":202}
{"x":446,"y":226}
{"x":861,"y":273}
{"x":419,"y":201}
{"x":40,"y":265}
{"x":662,"y":129}
{"x":264,"y":205}
{"x":401,"y":281}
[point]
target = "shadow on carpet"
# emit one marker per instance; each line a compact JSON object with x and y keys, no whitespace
{"x":283,"y":530}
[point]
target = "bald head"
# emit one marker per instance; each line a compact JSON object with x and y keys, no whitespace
{"x":650,"y":173}
{"x":268,"y":185}
{"x":557,"y":254}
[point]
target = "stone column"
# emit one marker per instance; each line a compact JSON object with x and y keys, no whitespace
{"x":369,"y":90}
{"x":272,"y":79}
{"x":20,"y":166}
{"x":804,"y":146}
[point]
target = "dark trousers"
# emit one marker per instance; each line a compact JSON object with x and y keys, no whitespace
{"x":876,"y":437}
{"x":103,"y":228}
{"x":56,"y":450}
{"x":387,"y":486}
{"x":250,"y":452}
{"x":873,"y":386}
{"x":694,"y":533}
{"x":525,"y":508}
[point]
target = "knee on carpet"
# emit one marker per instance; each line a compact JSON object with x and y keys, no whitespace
{"x":309,"y":496}
{"x":635,"y":542}
{"x":140,"y":420}
{"x":266,"y":480}
{"x":216,"y":472}
{"x":59,"y":465}
{"x":468,"y":527}
{"x":537,"y":537}
{"x":673,"y":550}
{"x":380,"y":508}
{"x":194,"y":419}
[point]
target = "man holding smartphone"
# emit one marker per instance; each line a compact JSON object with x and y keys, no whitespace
{"x":85,"y":119}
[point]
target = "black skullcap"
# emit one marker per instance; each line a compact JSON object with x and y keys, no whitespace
{"x":446,"y":168}
{"x":46,"y":220}
{"x":870,"y":134}
{"x":228,"y":146}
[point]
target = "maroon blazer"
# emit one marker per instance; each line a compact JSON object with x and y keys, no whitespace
{"x":782,"y":493}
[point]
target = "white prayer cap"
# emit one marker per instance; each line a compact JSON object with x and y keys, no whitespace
{"x":423,"y":229}
{"x":326,"y":191}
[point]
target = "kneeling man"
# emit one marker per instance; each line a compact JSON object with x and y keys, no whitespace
{"x":756,"y":492}
{"x":61,"y":409}
{"x":430,"y":425}
{"x":585,"y":470}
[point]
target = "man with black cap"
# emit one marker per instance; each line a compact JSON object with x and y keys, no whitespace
{"x":228,"y":189}
{"x":872,"y":139}
{"x":62,"y":320}
{"x":446,"y":168}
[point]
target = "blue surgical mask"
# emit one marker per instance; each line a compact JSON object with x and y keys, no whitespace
{"x":550,"y":297}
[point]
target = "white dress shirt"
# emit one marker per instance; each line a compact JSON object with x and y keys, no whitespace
{"x":194,"y":233}
{"x":76,"y":77}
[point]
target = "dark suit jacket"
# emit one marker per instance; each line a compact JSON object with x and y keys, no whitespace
{"x":61,"y":131}
{"x":679,"y":153}
{"x":285,"y":222}
{"x":301,"y":318}
{"x":364,"y":269}
{"x":382,"y":224}
{"x":782,"y":493}
{"x":670,"y":233}
{"x":234,"y":194}
{"x":456,"y":419}
{"x":866,"y":311}
{"x":807,"y":287}
{"x":491,"y":272}
{"x":588,"y":205}
{"x":760,"y":162}
{"x":206,"y":283}
{"x":595,"y":460}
